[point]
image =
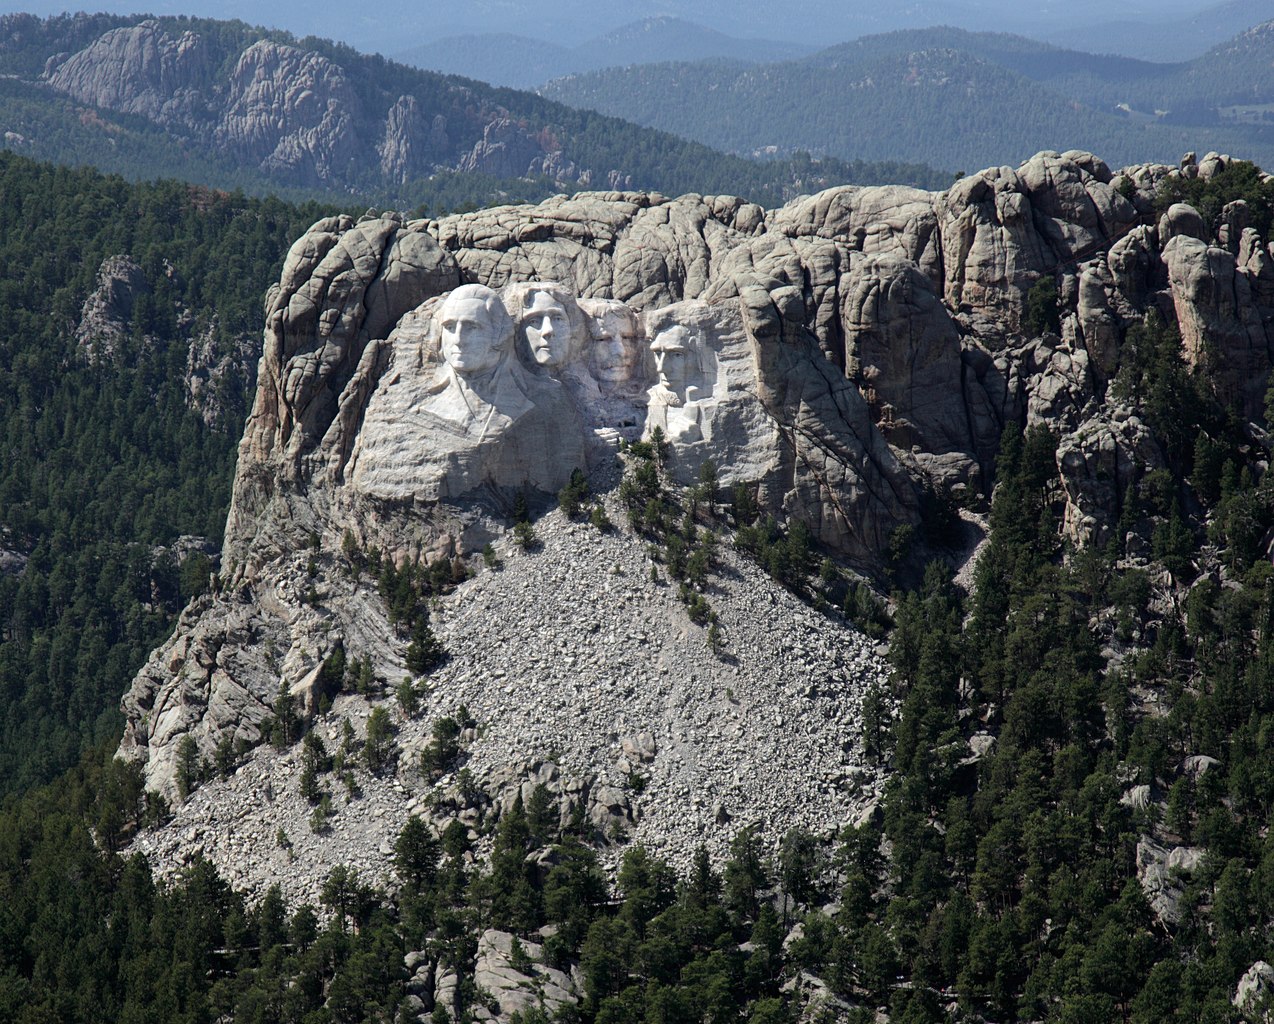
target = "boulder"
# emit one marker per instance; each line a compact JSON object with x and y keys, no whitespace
{"x":513,"y":972}
{"x":1181,"y":219}
{"x":1161,"y":872}
{"x":1254,"y":994}
{"x":1139,"y":798}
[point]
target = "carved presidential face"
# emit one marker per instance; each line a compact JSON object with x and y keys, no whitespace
{"x":472,"y":336}
{"x":672,"y":349}
{"x":548,"y":330}
{"x":616,"y":350}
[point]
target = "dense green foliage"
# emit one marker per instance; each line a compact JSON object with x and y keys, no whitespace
{"x":1240,"y":180}
{"x":103,"y":463}
{"x":88,"y":936}
{"x":1013,"y":873}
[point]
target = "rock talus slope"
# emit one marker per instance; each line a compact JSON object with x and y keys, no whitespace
{"x":581,"y":674}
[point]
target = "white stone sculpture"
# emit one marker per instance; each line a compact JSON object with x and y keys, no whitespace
{"x":456,"y":411}
{"x":681,"y":404}
{"x":614,"y":371}
{"x":550,"y":325}
{"x":482,"y":387}
{"x":615,"y":356}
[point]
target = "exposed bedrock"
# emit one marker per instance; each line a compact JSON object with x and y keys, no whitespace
{"x":837,"y":357}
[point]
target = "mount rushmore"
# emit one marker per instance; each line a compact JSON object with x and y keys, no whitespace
{"x":841,"y":358}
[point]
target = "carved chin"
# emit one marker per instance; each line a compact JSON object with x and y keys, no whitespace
{"x":664,"y":395}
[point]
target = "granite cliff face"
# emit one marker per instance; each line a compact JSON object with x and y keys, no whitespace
{"x":840,"y":358}
{"x":302,"y":117}
{"x":141,"y":70}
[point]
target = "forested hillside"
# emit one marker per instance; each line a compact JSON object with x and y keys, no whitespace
{"x":1075,"y":825}
{"x":952,"y":98}
{"x":105,"y":462}
{"x":998,"y":881}
{"x":223,"y":113}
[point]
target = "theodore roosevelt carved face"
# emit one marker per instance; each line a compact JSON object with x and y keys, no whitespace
{"x":615,"y":355}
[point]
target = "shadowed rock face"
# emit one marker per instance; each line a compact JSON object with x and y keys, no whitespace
{"x":837,"y":357}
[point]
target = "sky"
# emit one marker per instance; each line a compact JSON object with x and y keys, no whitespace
{"x":392,"y":26}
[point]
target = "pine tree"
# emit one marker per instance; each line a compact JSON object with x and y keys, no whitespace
{"x":187,"y":766}
{"x":378,"y":751}
{"x":425,"y":653}
{"x":416,"y":855}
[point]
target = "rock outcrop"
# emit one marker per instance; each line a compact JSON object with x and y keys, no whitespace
{"x":215,"y":372}
{"x":1221,"y":328}
{"x":291,"y":109}
{"x":1164,"y":874}
{"x":506,"y":150}
{"x":220,"y":371}
{"x":300,"y":116}
{"x":1254,"y":994}
{"x":346,"y":372}
{"x":837,"y":359}
{"x":907,"y":291}
{"x":413,"y":142}
{"x":106,"y":317}
{"x":140,"y":70}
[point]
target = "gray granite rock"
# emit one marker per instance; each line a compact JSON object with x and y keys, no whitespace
{"x":1254,"y":994}
{"x":570,"y":659}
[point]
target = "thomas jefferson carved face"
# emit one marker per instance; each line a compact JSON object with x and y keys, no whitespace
{"x":615,"y":353}
{"x":548,"y":330}
{"x":475,"y":330}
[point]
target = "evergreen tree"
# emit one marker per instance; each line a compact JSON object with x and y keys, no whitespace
{"x":425,"y":652}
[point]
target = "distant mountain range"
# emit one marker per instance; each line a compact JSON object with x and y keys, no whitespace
{"x":225,"y":104}
{"x":1163,"y":30}
{"x":1167,"y":37}
{"x":523,"y":62}
{"x":954,"y":98}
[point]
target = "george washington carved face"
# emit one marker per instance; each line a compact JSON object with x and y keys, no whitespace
{"x":476,"y":332}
